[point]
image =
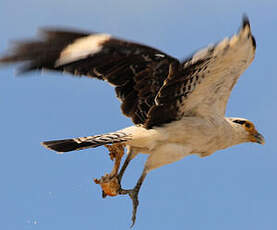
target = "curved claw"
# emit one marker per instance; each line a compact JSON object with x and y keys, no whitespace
{"x":104,"y":195}
{"x":134,"y":196}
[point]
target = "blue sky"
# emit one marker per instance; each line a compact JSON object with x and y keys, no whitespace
{"x":233,"y":189}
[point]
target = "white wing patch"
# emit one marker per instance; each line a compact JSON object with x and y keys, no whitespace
{"x":81,"y":48}
{"x":209,"y":85}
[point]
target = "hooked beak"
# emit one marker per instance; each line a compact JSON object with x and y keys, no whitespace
{"x":259,"y":138}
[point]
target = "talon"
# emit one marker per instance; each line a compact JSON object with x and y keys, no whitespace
{"x":104,"y":195}
{"x":111,"y":183}
{"x":123,"y":191}
{"x":133,"y":194}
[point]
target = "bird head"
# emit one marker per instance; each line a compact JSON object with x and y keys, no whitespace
{"x":247,"y":130}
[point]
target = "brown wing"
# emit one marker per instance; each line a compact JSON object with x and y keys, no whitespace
{"x":154,"y":88}
{"x":136,"y":71}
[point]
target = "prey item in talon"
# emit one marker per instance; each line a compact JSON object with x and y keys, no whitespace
{"x":109,"y":185}
{"x":116,"y":153}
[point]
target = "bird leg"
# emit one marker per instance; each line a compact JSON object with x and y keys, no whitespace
{"x":133,"y":194}
{"x":125,"y":165}
{"x":109,"y":182}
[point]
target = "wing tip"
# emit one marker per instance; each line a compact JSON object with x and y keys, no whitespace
{"x":245,"y":21}
{"x":6,"y":59}
{"x":246,"y":24}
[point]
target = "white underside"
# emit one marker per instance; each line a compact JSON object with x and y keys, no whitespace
{"x":172,"y":142}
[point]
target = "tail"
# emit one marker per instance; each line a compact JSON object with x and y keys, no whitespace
{"x":68,"y":145}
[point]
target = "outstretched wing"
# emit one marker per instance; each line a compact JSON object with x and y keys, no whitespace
{"x":136,"y":71}
{"x":154,"y":88}
{"x":209,"y":75}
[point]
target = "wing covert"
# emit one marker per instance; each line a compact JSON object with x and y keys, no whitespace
{"x":136,"y":71}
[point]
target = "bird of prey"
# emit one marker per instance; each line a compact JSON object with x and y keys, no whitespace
{"x":177,"y":107}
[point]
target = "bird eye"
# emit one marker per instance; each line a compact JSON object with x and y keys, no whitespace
{"x":247,"y":125}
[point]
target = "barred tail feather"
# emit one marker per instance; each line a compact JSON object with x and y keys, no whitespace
{"x":68,"y":145}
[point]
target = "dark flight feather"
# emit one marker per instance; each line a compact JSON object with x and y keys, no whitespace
{"x":152,"y":86}
{"x":136,"y":71}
